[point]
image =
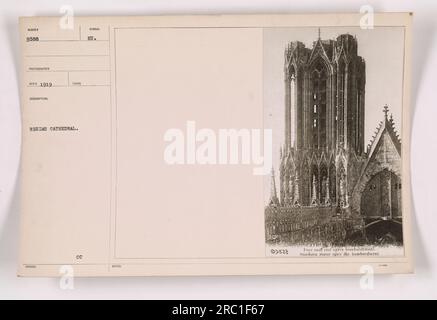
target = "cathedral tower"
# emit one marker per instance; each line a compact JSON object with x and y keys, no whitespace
{"x":324,"y":121}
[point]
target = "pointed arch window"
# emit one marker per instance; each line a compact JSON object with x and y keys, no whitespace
{"x":319,"y":78}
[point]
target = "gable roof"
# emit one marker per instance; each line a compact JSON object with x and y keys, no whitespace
{"x":385,"y":128}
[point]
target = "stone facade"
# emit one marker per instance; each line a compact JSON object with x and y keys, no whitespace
{"x":379,"y":181}
{"x":324,"y":104}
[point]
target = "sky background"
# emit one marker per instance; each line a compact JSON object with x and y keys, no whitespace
{"x":383,"y":50}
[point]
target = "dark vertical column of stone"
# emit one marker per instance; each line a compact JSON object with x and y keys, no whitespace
{"x":389,"y":194}
{"x":281,"y":183}
{"x":353,"y":116}
{"x":345,"y":105}
{"x":329,"y":122}
{"x":333,"y":104}
{"x":337,"y":105}
{"x":362,"y":104}
{"x":297,"y":111}
{"x":358,"y":116}
{"x":319,"y":112}
{"x":306,"y":118}
{"x":294,"y":94}
{"x":340,"y":101}
{"x":287,"y":113}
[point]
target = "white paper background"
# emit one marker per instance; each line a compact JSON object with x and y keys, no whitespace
{"x":422,"y":284}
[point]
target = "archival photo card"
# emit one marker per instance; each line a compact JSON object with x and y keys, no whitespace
{"x":215,"y":145}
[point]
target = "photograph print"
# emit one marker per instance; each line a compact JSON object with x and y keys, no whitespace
{"x":333,"y":98}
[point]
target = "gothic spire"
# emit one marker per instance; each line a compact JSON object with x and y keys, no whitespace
{"x":296,"y":191}
{"x":385,"y":111}
{"x":314,"y":192}
{"x":273,"y":194}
